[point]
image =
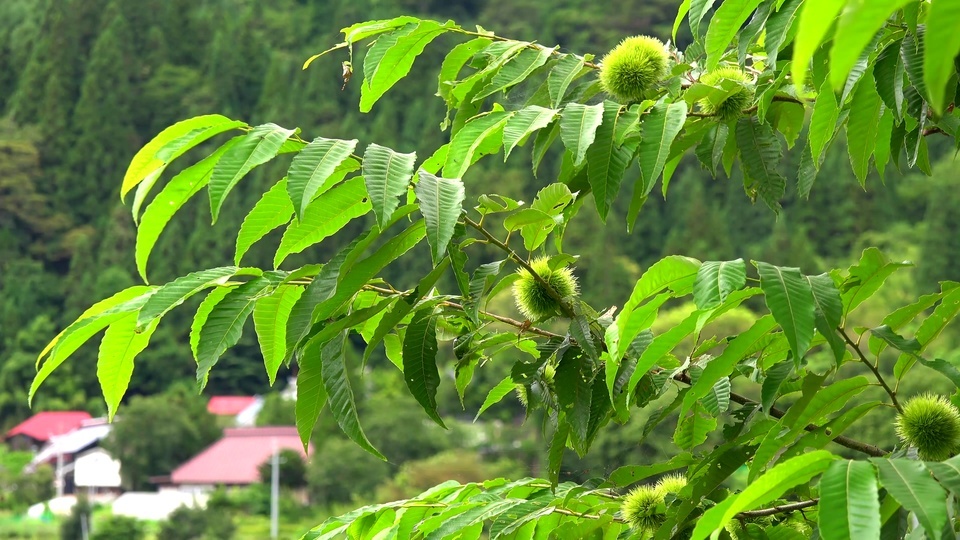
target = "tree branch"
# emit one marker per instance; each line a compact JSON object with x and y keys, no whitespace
{"x":876,"y":372}
{"x":781,"y":509}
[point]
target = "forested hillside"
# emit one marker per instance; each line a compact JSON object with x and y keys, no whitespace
{"x":84,"y":83}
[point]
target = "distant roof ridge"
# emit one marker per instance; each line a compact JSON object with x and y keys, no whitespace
{"x":260,"y":431}
{"x":45,"y":424}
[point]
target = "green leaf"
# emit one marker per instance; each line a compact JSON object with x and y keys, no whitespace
{"x":224,"y":325}
{"x":326,"y":215}
{"x":336,"y":383}
{"x":698,"y":10}
{"x":849,"y":506}
{"x":496,"y":394}
{"x":717,"y":279}
{"x":454,"y":61}
{"x":823,"y":123}
{"x":420,"y":361}
{"x":930,"y":329}
{"x":311,"y":394}
{"x":179,"y":290}
{"x":387,"y":174}
{"x":910,"y":484}
{"x":607,"y":160}
{"x":121,"y":343}
{"x":767,"y":488}
{"x":213,"y":298}
{"x":568,"y":68}
{"x":710,"y":148}
{"x":396,"y":61}
{"x":88,"y":324}
{"x":270,"y":316}
{"x":516,"y":70}
{"x":631,"y":474}
{"x":790,"y":300}
{"x":906,"y":314}
{"x":311,"y":171}
{"x":573,"y":379}
{"x":578,"y":128}
{"x":170,"y":199}
{"x":867,"y":277}
{"x":363,"y":30}
{"x":480,"y":136}
{"x":724,"y":365}
{"x":692,"y":429}
{"x":522,"y":124}
{"x":760,"y":154}
{"x":938,"y":62}
{"x":173,"y":141}
{"x":724,"y":25}
{"x":888,"y":74}
{"x":858,"y":24}
{"x":829,"y":311}
{"x":441,"y":202}
{"x":273,"y":210}
{"x":256,"y":148}
{"x":862,"y":127}
{"x":659,"y":129}
{"x":947,"y":472}
{"x":816,"y":18}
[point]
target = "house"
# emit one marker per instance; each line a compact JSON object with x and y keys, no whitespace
{"x":234,"y":459}
{"x":239,"y":410}
{"x":34,"y":432}
{"x":79,"y":461}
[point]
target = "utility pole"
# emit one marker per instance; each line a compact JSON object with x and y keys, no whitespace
{"x":275,"y":493}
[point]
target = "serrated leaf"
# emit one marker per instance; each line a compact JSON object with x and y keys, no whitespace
{"x":270,"y":316}
{"x":607,"y":160}
{"x":659,"y":129}
{"x":420,"y":361}
{"x":311,"y":394}
{"x":336,"y":383}
{"x":773,"y":378}
{"x":910,"y":484}
{"x":888,"y":72}
{"x":760,"y":154}
{"x":480,"y":136}
{"x":326,"y":215}
{"x":179,"y":290}
{"x":862,"y":128}
{"x":858,"y":24}
{"x":454,"y":62}
{"x":170,"y":199}
{"x":930,"y":329}
{"x":829,"y":311}
{"x":522,"y":124}
{"x":816,"y":18}
{"x":866,"y":277}
{"x":947,"y":472}
{"x":823,"y":123}
{"x":441,"y":203}
{"x":311,"y":170}
{"x":496,"y":394}
{"x":174,"y":141}
{"x":790,"y":299}
{"x":203,"y":311}
{"x":396,"y":61}
{"x":224,"y":325}
{"x":717,"y":279}
{"x":516,"y":70}
{"x":121,"y":343}
{"x":724,"y":25}
{"x":938,"y":62}
{"x":630,"y":474}
{"x":568,"y":68}
{"x":387,"y":174}
{"x":849,"y":506}
{"x":273,"y":210}
{"x":92,"y":321}
{"x":578,"y":128}
{"x":257,"y":147}
{"x":692,"y":429}
{"x":573,"y":379}
{"x":767,"y":488}
{"x":710,"y":148}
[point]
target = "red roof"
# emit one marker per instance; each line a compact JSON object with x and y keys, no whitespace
{"x":234,"y":458}
{"x":229,"y":405}
{"x":44,"y":425}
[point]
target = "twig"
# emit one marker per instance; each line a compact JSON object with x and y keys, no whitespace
{"x":876,"y":372}
{"x":781,"y":509}
{"x":566,"y":512}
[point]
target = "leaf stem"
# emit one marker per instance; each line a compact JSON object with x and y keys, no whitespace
{"x":780,"y":509}
{"x":876,"y":372}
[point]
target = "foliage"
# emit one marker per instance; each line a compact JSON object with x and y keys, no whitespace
{"x":192,"y":523}
{"x":890,"y":64}
{"x":78,"y":524}
{"x":118,"y":528}
{"x":156,"y":434}
{"x":340,"y":471}
{"x":293,"y":470}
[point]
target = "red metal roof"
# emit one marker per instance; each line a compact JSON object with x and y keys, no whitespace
{"x":229,"y":405}
{"x":234,"y":458}
{"x":44,"y":425}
